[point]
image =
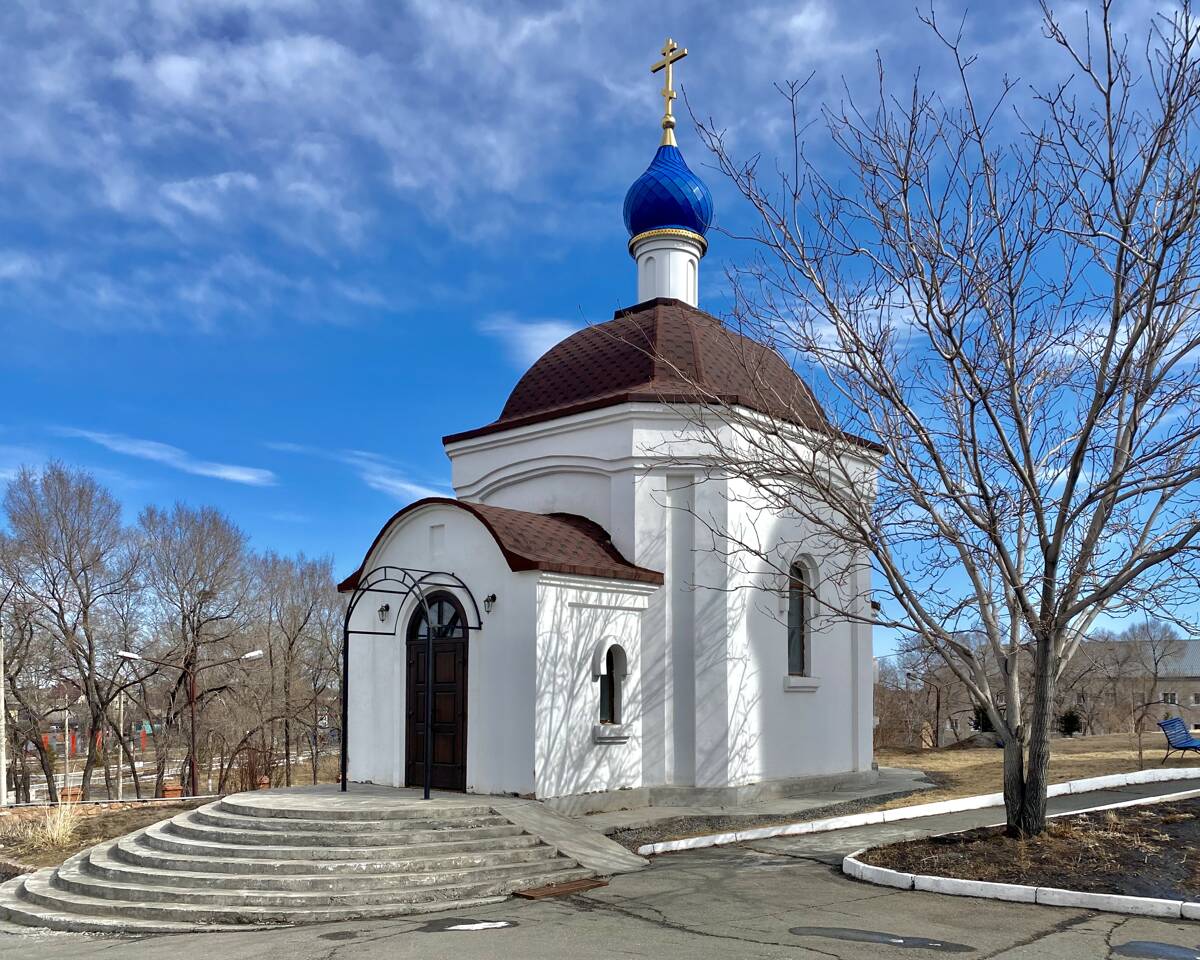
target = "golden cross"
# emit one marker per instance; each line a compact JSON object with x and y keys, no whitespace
{"x":671,"y":52}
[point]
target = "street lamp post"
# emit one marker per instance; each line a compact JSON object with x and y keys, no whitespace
{"x":121,"y":747}
{"x":190,"y":670}
{"x":3,"y":727}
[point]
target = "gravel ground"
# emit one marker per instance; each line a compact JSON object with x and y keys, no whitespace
{"x":678,"y":828}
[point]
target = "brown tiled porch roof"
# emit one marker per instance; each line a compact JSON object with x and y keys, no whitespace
{"x":554,"y":542}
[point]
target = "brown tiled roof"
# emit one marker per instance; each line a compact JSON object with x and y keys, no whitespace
{"x":663,"y":350}
{"x":555,"y":542}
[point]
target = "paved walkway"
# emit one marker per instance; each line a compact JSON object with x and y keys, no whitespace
{"x":774,"y":898}
{"x":836,"y":844}
{"x":891,"y":780}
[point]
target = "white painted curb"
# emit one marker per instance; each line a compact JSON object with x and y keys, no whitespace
{"x":1019,"y":893}
{"x":1086,"y":785}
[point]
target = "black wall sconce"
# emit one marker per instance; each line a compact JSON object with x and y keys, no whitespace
{"x":383,"y":612}
{"x":488,"y":602}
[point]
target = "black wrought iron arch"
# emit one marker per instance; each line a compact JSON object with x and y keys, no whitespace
{"x":403,"y":583}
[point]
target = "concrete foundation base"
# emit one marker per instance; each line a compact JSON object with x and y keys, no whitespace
{"x":688,"y":796}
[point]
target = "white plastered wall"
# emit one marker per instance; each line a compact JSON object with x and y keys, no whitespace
{"x":578,"y":619}
{"x":714,"y":643}
{"x":500,"y":662}
{"x":782,"y":727}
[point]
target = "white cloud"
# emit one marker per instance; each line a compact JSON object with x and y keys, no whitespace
{"x":213,"y":196}
{"x":383,"y":475}
{"x":195,"y":128}
{"x":289,"y":516}
{"x":526,"y":340}
{"x":13,"y":458}
{"x":173,"y":457}
{"x":376,"y":471}
{"x":15,"y":265}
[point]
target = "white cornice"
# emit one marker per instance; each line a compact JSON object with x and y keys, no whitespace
{"x":566,"y":424}
{"x":598,"y":584}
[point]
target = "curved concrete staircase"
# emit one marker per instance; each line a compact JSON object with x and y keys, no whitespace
{"x":258,"y":859}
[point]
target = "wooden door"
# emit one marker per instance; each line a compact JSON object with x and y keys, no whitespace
{"x":449,"y":696}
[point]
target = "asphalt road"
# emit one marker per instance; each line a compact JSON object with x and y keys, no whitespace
{"x":774,"y":898}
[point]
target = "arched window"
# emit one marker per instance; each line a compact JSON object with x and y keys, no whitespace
{"x":612,"y":676}
{"x":800,"y":597}
{"x":447,"y":616}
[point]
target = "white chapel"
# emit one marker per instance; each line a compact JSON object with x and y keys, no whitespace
{"x":592,"y":643}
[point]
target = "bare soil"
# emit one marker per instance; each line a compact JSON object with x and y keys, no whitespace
{"x":1151,"y":851}
{"x":98,"y":822}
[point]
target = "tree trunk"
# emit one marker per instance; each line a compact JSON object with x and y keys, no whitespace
{"x":287,"y":722}
{"x":1014,"y":783}
{"x":133,"y":775}
{"x":89,"y":764}
{"x":1032,"y":818}
{"x":48,"y":771}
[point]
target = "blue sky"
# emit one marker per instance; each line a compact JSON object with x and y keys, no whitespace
{"x":263,"y":255}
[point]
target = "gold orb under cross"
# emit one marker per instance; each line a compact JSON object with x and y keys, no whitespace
{"x":671,"y":52}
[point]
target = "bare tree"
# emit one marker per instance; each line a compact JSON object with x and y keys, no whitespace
{"x":1002,"y":295}
{"x":1139,"y":658}
{"x":296,"y":598}
{"x":198,"y":584}
{"x":31,"y":663}
{"x":73,"y":564}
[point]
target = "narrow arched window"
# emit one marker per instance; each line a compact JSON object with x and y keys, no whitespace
{"x":799,"y":619}
{"x":610,"y":685}
{"x":608,"y":690}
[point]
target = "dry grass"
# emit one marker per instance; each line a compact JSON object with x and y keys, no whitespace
{"x":52,"y":828}
{"x":45,"y":836}
{"x":965,"y":772}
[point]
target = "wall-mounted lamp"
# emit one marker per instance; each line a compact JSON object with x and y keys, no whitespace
{"x":488,"y":602}
{"x":383,"y":612}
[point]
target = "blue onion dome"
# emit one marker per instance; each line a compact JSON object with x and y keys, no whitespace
{"x":668,"y":196}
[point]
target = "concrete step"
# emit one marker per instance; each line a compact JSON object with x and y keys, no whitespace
{"x":211,"y":816}
{"x":78,"y":875}
{"x":17,"y":910}
{"x":131,"y":851}
{"x":186,"y":825}
{"x":15,"y":907}
{"x":264,"y":805}
{"x":157,"y":836}
{"x":195,"y":855}
{"x":101,"y":864}
{"x":295,"y":857}
{"x":41,"y":889}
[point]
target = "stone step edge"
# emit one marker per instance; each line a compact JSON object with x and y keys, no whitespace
{"x":112,"y":855}
{"x":202,"y":831}
{"x":35,"y":917}
{"x":268,"y":826}
{"x":231,"y":805}
{"x":156,"y":832}
{"x":77,"y":868}
{"x":138,"y":849}
{"x":84,"y":904}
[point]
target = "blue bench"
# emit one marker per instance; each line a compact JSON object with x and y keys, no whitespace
{"x":1179,"y":740}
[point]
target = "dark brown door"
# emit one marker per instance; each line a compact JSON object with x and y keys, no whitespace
{"x":449,"y":696}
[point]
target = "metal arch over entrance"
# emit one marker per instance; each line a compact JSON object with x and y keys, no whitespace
{"x":402,"y":583}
